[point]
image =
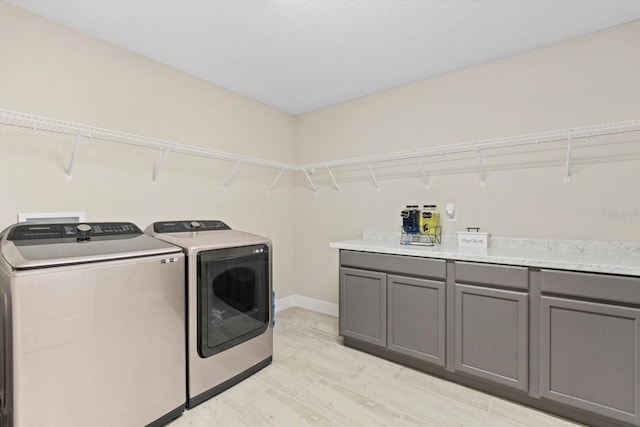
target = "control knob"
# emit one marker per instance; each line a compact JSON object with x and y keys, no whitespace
{"x":83,"y":232}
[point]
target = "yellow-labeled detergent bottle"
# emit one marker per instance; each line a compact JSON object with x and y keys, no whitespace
{"x":429,"y":220}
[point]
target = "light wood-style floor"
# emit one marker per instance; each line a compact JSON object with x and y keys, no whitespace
{"x":315,"y":380}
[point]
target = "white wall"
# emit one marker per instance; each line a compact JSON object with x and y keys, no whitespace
{"x":588,"y":80}
{"x":50,"y":70}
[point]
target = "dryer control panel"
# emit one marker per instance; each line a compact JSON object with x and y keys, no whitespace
{"x":82,"y":231}
{"x":187,"y":226}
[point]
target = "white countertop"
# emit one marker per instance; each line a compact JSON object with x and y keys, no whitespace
{"x":598,"y":257}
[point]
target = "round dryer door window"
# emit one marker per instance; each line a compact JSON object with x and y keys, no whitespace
{"x":233,"y":297}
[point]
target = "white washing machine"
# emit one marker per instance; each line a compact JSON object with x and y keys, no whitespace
{"x":92,"y":327}
{"x":229,"y":330}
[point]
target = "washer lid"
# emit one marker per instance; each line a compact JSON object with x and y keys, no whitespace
{"x":44,"y":245}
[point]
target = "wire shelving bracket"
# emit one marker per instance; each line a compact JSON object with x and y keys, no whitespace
{"x":315,"y":189}
{"x":276,"y":180}
{"x":333,"y":178}
{"x":567,"y":178}
{"x":424,"y":173}
{"x":156,"y":173}
{"x":373,"y":176}
{"x":233,"y":172}
{"x":69,"y":176}
{"x":479,"y":156}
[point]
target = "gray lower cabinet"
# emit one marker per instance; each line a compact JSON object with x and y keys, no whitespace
{"x":586,"y":336}
{"x":590,"y":355}
{"x":491,"y":334}
{"x":416,"y":318}
{"x":363,"y":305}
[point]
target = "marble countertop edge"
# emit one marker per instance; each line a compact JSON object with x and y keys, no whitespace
{"x":529,"y":256}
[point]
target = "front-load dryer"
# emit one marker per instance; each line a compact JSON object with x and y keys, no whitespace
{"x":92,"y":327}
{"x":229,"y":330}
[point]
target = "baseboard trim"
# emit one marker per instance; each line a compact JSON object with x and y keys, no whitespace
{"x":286,"y":302}
{"x":309,"y":303}
{"x":317,"y":305}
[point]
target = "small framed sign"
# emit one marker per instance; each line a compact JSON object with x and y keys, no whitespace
{"x":473,"y":239}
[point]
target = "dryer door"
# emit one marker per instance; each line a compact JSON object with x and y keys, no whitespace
{"x":233,"y":297}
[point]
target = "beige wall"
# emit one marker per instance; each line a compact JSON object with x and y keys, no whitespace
{"x":589,"y":80}
{"x":47,"y":69}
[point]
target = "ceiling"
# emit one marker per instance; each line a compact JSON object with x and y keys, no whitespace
{"x":301,"y":55}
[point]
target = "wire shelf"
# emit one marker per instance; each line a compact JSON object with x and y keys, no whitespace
{"x":484,"y":144}
{"x":44,"y":123}
{"x":90,"y":132}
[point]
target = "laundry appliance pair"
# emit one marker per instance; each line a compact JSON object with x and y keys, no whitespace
{"x":100,"y":325}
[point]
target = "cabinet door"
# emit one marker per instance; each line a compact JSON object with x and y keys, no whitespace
{"x":590,"y":357}
{"x":491,"y":335}
{"x":416,"y":325}
{"x":363,"y":305}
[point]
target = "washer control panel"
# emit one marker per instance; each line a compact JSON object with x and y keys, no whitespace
{"x":82,"y":231}
{"x":188,"y":226}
